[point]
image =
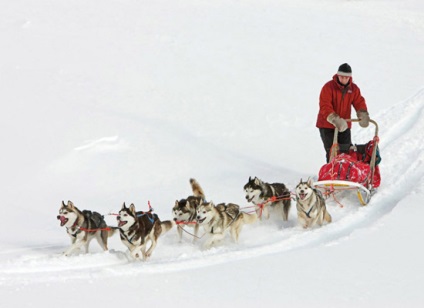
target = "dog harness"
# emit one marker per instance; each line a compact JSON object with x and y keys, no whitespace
{"x":233,"y":219}
{"x":126,"y":237}
{"x":77,"y":229}
{"x":309,"y":212}
{"x":152,"y":219}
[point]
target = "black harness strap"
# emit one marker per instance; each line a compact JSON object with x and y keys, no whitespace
{"x":126,"y":237}
{"x":309,"y":212}
{"x":76,"y":232}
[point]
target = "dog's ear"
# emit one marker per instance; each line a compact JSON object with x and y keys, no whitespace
{"x":250,"y":179}
{"x":63,"y":203}
{"x":176,"y":202}
{"x":310,"y":182}
{"x":301,"y":180}
{"x":123,"y":206}
{"x":132,"y":209}
{"x":257,"y":181}
{"x":70,"y":204}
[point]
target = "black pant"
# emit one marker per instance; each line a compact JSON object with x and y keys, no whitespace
{"x":343,"y":139}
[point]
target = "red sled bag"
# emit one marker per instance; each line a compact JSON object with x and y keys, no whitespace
{"x":377,"y":178}
{"x":346,"y":167}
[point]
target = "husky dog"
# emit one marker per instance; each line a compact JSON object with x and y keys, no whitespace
{"x":310,"y":205}
{"x":82,"y":227}
{"x":184,"y":211}
{"x":137,"y":229}
{"x":263,"y":194}
{"x":216,"y":220}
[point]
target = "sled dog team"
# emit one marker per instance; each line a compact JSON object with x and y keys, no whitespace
{"x":139,"y":231}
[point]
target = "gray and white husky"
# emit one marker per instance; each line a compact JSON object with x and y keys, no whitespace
{"x":263,"y":195}
{"x":184,"y":210}
{"x":138,"y":230}
{"x":216,"y":220}
{"x":82,"y":227}
{"x":310,"y":205}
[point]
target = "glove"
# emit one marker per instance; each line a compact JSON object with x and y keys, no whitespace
{"x":364,"y":118}
{"x":337,"y":121}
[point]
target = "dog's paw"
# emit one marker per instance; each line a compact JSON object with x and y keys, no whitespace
{"x":135,"y":254}
{"x":208,"y":245}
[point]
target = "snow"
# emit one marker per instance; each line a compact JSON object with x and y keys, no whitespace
{"x":106,"y":102}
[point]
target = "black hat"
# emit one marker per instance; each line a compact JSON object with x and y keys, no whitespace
{"x":345,"y":70}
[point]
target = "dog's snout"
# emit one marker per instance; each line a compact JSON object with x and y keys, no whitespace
{"x":58,"y":216}
{"x":118,"y":217}
{"x":175,"y":218}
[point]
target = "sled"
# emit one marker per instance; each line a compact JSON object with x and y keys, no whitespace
{"x":355,"y":169}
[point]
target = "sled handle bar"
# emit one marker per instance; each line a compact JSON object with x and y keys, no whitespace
{"x":335,"y":148}
{"x":336,"y":131}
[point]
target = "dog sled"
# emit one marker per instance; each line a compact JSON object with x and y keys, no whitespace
{"x":352,"y":168}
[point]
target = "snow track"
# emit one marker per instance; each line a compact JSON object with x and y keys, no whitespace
{"x":402,"y":129}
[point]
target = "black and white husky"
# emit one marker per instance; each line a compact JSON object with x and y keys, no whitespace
{"x":138,"y":230}
{"x":263,"y":195}
{"x":82,"y":227}
{"x":310,"y":205}
{"x":184,"y":210}
{"x":216,"y":220}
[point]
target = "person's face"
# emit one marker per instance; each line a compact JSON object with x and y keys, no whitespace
{"x":343,"y":79}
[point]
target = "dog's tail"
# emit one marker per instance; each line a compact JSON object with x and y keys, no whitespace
{"x":248,"y":218}
{"x":111,"y":231}
{"x":197,"y":189}
{"x":327,"y":216}
{"x":166,"y":226}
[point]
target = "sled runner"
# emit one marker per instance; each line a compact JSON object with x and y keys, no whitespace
{"x":352,"y":168}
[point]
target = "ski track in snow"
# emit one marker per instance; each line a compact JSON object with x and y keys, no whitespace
{"x":401,"y":137}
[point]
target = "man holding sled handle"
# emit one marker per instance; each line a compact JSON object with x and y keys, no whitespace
{"x":335,"y":105}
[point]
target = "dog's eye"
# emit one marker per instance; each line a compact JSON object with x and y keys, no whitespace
{"x":204,"y":212}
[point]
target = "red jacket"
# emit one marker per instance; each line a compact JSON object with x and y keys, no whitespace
{"x":332,"y":100}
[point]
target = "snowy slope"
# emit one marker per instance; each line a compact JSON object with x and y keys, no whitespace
{"x":108,"y":101}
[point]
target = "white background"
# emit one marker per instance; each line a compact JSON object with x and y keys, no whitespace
{"x":105,"y":102}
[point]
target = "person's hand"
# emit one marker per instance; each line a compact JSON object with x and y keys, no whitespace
{"x":364,"y":118}
{"x":337,"y":121}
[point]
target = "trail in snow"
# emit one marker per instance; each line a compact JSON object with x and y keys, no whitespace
{"x":402,"y":167}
